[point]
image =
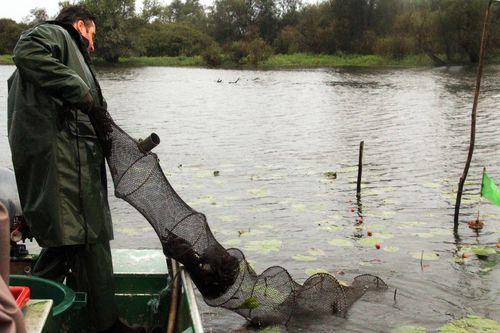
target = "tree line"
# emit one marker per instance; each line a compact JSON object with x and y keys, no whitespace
{"x":249,"y":31}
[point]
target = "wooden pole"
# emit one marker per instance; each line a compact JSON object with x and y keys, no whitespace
{"x":176,"y":289}
{"x":482,"y":51}
{"x":360,"y":168}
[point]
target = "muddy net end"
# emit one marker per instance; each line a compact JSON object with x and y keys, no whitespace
{"x":223,"y":276}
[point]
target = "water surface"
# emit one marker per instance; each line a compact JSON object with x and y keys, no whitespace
{"x":273,"y":135}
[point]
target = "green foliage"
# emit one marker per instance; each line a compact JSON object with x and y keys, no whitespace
{"x":289,"y":41}
{"x":388,"y":32}
{"x":250,"y":303}
{"x":6,"y":59}
{"x":174,"y":39}
{"x":181,"y":61}
{"x":115,"y":33}
{"x":237,"y":51}
{"x":259,"y":51}
{"x":230,"y":20}
{"x":395,"y":46}
{"x":471,"y":324}
{"x":253,"y":52}
{"x":303,"y":60}
{"x":213,"y":58}
{"x":10,"y":31}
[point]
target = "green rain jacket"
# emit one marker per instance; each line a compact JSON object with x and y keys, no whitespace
{"x":58,"y":161}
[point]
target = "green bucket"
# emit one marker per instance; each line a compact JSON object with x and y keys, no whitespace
{"x":65,"y":299}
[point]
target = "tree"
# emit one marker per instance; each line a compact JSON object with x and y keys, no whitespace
{"x":231,"y":20}
{"x":10,"y":32}
{"x":190,"y":11}
{"x":37,"y":16}
{"x":114,"y":31}
{"x":174,"y":39}
{"x":152,"y":10}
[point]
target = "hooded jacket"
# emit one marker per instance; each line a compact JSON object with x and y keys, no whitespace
{"x":58,"y":162}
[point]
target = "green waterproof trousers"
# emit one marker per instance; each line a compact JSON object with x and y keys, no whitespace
{"x":92,"y":272}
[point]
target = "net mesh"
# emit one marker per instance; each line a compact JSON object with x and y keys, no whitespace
{"x":223,"y":276}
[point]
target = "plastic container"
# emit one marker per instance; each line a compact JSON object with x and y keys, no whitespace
{"x":21,"y":295}
{"x":66,"y":301}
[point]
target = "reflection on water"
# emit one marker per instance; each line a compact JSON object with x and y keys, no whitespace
{"x":274,"y":134}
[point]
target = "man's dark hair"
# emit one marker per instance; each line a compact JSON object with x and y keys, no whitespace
{"x":72,"y":14}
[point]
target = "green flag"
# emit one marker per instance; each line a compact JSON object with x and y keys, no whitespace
{"x":489,"y":189}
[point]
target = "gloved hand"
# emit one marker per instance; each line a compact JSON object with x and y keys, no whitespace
{"x":86,"y":104}
{"x":102,"y":123}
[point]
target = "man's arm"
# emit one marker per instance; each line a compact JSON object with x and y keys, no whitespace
{"x":37,"y":56}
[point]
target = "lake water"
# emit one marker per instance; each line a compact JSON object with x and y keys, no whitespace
{"x":274,"y":134}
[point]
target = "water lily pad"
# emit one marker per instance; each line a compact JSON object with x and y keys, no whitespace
{"x":483,"y":251}
{"x":470,"y":201}
{"x":384,"y":235}
{"x":229,"y":218}
{"x":369,"y":241}
{"x":331,"y":228}
{"x":409,"y":329}
{"x":471,"y":324}
{"x":273,"y":329}
{"x":414,"y":223}
{"x":330,"y":175}
{"x":486,"y":269}
{"x":264,"y":246}
{"x":203,"y":174}
{"x":428,"y":256}
{"x":431,"y":185}
{"x":299,"y":207}
{"x":258,"y":192}
{"x":424,"y":234}
{"x":365,"y":264}
{"x":318,"y":207}
{"x":232,"y":242}
{"x":376,"y":227}
{"x":312,"y":271}
{"x":340,"y":242}
{"x":391,"y":249}
{"x":250,"y":303}
{"x":316,"y":252}
{"x":440,"y":232}
{"x":348,"y":169}
{"x":257,"y":209}
{"x":301,"y":257}
{"x":381,"y":214}
{"x":205,"y":199}
{"x":250,"y":233}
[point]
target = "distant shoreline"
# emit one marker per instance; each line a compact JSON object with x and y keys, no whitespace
{"x":279,"y":61}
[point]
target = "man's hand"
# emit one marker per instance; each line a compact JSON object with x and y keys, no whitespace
{"x":86,"y":104}
{"x":102,"y":123}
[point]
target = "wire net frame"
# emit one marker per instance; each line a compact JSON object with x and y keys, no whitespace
{"x":223,"y":276}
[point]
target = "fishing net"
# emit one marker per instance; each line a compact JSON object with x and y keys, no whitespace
{"x":223,"y":276}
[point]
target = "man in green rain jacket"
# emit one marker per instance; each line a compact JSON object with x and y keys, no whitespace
{"x":58,"y":161}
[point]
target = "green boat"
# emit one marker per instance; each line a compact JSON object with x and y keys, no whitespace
{"x":146,"y":295}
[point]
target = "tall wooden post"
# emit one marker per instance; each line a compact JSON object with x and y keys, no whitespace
{"x":360,"y":168}
{"x":482,"y":51}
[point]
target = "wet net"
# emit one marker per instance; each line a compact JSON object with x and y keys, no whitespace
{"x":223,"y":276}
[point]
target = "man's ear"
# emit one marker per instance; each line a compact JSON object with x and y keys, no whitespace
{"x":79,"y":25}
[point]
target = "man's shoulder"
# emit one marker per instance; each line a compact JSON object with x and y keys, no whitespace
{"x":48,"y":29}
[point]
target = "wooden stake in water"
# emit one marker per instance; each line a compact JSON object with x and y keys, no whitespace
{"x":360,"y":168}
{"x":482,"y":51}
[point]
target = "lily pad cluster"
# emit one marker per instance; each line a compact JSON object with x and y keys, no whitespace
{"x":469,"y":324}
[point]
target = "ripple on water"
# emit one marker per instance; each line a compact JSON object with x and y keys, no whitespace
{"x":280,"y":131}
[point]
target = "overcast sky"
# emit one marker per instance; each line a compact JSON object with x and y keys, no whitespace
{"x":19,"y":9}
